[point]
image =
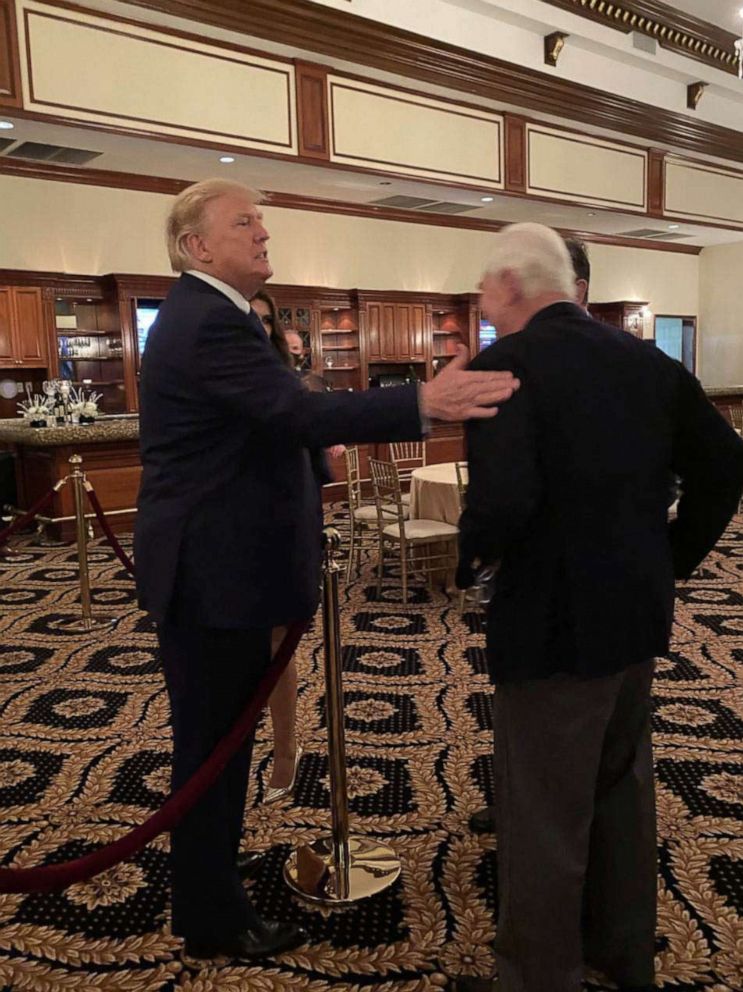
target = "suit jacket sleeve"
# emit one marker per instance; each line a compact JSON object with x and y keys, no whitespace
{"x":505,"y":483}
{"x":242,"y":374}
{"x":708,"y":457}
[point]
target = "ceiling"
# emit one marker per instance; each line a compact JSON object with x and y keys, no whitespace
{"x":142,"y":156}
{"x":725,"y":13}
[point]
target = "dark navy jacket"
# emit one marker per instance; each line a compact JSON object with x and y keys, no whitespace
{"x":568,"y":488}
{"x":229,"y":513}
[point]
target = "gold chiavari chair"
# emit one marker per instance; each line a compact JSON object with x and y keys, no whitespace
{"x":407,"y":456}
{"x":414,"y":542}
{"x":362,"y":514}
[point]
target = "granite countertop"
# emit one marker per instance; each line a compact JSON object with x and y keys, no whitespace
{"x":15,"y":431}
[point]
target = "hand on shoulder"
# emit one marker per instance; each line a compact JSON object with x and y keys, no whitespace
{"x":461,"y":394}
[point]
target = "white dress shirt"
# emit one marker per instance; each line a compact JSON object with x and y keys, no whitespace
{"x":229,"y":291}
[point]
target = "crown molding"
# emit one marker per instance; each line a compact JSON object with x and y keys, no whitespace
{"x":671,"y":28}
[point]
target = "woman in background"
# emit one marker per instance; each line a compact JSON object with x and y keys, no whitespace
{"x":283,"y":701}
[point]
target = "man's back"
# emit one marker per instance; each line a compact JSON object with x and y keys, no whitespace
{"x":569,"y":488}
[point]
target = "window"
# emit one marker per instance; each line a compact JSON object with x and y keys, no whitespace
{"x":676,"y":336}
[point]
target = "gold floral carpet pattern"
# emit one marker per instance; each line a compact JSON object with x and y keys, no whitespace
{"x":85,"y":750}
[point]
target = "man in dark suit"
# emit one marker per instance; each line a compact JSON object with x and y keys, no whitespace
{"x":568,"y":491}
{"x":227,"y":538}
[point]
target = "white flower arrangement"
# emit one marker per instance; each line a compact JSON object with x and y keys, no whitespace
{"x":36,"y":407}
{"x":82,"y":405}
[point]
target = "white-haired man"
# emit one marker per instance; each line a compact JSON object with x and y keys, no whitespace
{"x":568,"y":491}
{"x":227,"y":537}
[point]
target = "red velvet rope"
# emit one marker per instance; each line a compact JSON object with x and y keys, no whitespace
{"x":106,"y":528}
{"x":45,"y":878}
{"x":20,"y":522}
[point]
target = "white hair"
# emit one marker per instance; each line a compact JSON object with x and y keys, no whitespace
{"x":188,"y":212}
{"x":537,"y":256}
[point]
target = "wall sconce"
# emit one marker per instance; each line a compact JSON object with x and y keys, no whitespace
{"x":553,"y":46}
{"x":694,"y":93}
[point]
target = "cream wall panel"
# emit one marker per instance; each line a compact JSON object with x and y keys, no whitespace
{"x":565,"y":165}
{"x":703,"y":192}
{"x":721,"y":338}
{"x":398,"y":132}
{"x":86,"y":67}
{"x":61,"y":227}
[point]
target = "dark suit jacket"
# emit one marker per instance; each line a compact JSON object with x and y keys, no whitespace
{"x":229,"y":514}
{"x":568,"y":488}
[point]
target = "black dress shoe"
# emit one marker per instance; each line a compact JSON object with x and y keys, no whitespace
{"x":265,"y":940}
{"x":249,"y":863}
{"x":483,"y":821}
{"x":467,"y":984}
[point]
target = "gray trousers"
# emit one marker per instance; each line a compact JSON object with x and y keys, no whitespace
{"x":575,"y":821}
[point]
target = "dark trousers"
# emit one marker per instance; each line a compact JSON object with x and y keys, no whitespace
{"x":210,"y":675}
{"x":575,"y":819}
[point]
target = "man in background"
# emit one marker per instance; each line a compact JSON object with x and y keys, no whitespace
{"x":568,"y":491}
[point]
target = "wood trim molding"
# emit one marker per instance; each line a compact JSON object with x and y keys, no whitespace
{"x":515,"y":154}
{"x":331,"y":32}
{"x":312,"y":110}
{"x":293,"y":201}
{"x":10,"y":63}
{"x":656,"y":182}
{"x":671,"y":28}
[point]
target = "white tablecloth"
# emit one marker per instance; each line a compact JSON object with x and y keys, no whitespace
{"x":433,"y":493}
{"x":434,"y":496}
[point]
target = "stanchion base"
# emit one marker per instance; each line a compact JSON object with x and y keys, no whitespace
{"x":373,"y":868}
{"x":79,"y":626}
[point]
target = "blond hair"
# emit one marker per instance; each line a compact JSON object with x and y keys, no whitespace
{"x":537,"y":255}
{"x":188,"y":213}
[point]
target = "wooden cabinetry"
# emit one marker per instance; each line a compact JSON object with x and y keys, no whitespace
{"x":340,"y":347}
{"x":629,"y":315}
{"x":22,"y":333}
{"x":89,"y":348}
{"x":396,"y":332}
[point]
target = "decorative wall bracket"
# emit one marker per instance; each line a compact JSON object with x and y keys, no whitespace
{"x":553,"y":46}
{"x":694,"y":93}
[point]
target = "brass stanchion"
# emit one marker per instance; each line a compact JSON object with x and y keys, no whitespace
{"x":338,"y":868}
{"x":87,"y":622}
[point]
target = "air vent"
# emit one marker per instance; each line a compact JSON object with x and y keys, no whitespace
{"x":449,"y":208}
{"x":406,"y":202}
{"x":6,"y":143}
{"x":52,"y":153}
{"x":652,"y":234}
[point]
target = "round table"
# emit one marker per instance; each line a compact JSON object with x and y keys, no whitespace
{"x":434,"y":494}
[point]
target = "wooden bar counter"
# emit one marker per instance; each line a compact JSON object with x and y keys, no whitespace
{"x":110,"y":453}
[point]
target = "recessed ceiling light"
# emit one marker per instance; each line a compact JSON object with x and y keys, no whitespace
{"x":591,"y":213}
{"x":673,"y":227}
{"x":487,"y":199}
{"x":6,"y":125}
{"x":226,"y":159}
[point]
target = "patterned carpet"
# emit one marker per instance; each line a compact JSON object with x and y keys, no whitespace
{"x":84,"y":756}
